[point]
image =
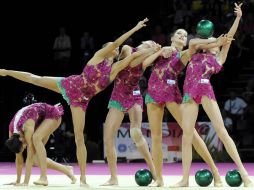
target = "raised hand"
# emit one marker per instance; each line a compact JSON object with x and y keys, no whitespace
{"x":238,"y":10}
{"x":224,"y":39}
{"x":157,"y":47}
{"x":141,"y":24}
{"x":167,"y":51}
{"x":228,"y":39}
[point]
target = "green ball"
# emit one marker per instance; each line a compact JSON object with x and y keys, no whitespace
{"x":233,"y":178}
{"x":143,"y":177}
{"x":203,"y":177}
{"x":205,"y":29}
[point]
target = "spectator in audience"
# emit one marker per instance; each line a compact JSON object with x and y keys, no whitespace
{"x":62,"y":50}
{"x":227,"y":121}
{"x":249,"y":93}
{"x":87,"y":46}
{"x":235,"y":108}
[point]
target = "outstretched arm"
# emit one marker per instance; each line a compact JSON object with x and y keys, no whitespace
{"x":220,"y":41}
{"x":19,"y":165}
{"x":165,"y":52}
{"x":120,"y":65}
{"x":195,"y":44}
{"x":126,"y":51}
{"x":185,"y":56}
{"x":149,"y":61}
{"x":140,"y":59}
{"x":102,"y":53}
{"x":28,"y":133}
{"x":225,"y":48}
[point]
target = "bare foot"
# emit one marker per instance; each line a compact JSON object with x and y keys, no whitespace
{"x":3,"y":72}
{"x":154,"y":175}
{"x":71,"y":174}
{"x":157,"y":183}
{"x":217,"y":181}
{"x":83,"y":182}
{"x":111,"y":182}
{"x":246,"y":181}
{"x":41,"y":182}
{"x":181,"y":183}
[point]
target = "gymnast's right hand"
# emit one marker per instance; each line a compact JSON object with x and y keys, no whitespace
{"x":168,"y":51}
{"x":3,"y":72}
{"x":141,"y":24}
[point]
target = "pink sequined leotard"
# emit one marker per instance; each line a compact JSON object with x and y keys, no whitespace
{"x":163,"y":82}
{"x":197,"y":80}
{"x":78,"y":90}
{"x":126,"y":92}
{"x":37,"y":112}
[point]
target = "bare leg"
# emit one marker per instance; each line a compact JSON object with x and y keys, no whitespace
{"x":198,"y":143}
{"x":45,"y":82}
{"x":47,"y":127}
{"x":212,"y":110}
{"x":190,"y":113}
{"x":78,"y":118}
{"x":135,"y":114}
{"x":67,"y":170}
{"x":155,"y":116}
{"x":112,"y":124}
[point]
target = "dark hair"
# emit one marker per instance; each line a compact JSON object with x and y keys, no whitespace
{"x":29,"y":99}
{"x":14,"y":144}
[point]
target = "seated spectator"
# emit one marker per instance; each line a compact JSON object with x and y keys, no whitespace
{"x":228,"y":122}
{"x":62,"y":50}
{"x":235,"y":108}
{"x":249,"y":93}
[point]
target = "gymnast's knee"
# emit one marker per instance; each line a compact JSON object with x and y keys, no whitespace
{"x":137,"y":136}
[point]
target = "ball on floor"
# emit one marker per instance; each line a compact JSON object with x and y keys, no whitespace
{"x":233,"y":178}
{"x":143,"y":177}
{"x":203,"y":177}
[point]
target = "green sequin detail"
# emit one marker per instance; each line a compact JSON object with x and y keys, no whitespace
{"x":62,"y":90}
{"x":186,"y":98}
{"x":149,"y":99}
{"x":116,"y":104}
